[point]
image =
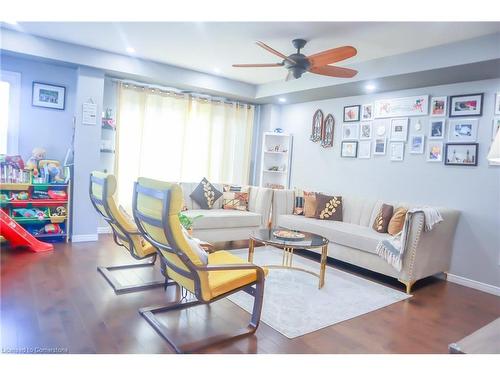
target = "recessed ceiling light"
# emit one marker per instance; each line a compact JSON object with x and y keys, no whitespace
{"x":282,"y":100}
{"x":216,"y":70}
{"x":130,"y":50}
{"x":370,"y":87}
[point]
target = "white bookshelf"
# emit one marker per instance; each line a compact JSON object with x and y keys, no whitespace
{"x":276,"y":154}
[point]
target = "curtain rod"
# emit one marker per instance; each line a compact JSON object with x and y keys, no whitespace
{"x":178,"y":92}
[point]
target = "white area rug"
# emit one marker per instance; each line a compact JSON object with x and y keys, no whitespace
{"x":293,"y":304}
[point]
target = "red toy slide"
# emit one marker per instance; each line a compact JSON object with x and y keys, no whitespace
{"x":17,"y":236}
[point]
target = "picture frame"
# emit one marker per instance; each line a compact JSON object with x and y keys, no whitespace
{"x":349,"y":149}
{"x":328,"y":131}
{"x":367,"y":112}
{"x":47,"y":95}
{"x":365,"y":130}
{"x":437,"y":128}
{"x":350,"y":132}
{"x":464,"y":154}
{"x":399,"y":129}
{"x":402,"y":107}
{"x":380,"y":146}
{"x":352,"y":113}
{"x":496,"y":127}
{"x":397,"y":151}
{"x":466,"y":105}
{"x":497,"y":103}
{"x":463,"y":130}
{"x":417,"y":144}
{"x":364,"y":149}
{"x":434,"y":151}
{"x":317,"y":126}
{"x":379,"y":127}
{"x":439,"y":106}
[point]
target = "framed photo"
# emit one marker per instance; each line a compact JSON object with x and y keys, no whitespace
{"x":399,"y":129}
{"x":327,"y":133}
{"x":365,"y":150}
{"x":352,"y":113}
{"x":463,"y":130}
{"x":379,"y":127}
{"x":367,"y":112}
{"x":438,"y":105}
{"x":317,"y":126}
{"x":365,"y":130}
{"x":437,"y":128}
{"x":48,"y":96}
{"x":496,"y":127}
{"x":497,"y":103}
{"x":349,"y":149}
{"x":397,"y":151}
{"x":417,"y":143}
{"x":435,"y":151}
{"x":380,"y":144}
{"x":350,"y":131}
{"x":466,"y":105}
{"x":461,"y":154}
{"x":398,"y":107}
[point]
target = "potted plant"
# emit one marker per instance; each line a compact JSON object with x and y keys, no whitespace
{"x":187,"y":222}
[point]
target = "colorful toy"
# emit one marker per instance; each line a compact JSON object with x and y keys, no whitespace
{"x":51,"y":229}
{"x":4,"y":197}
{"x":37,"y":154}
{"x":57,"y":194}
{"x":15,"y":160}
{"x":53,"y":169}
{"x":17,"y":236}
{"x":21,"y":196}
{"x":40,"y":194}
{"x":29,"y":212}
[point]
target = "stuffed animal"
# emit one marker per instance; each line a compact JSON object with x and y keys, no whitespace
{"x":37,"y":154}
{"x":54,"y":170}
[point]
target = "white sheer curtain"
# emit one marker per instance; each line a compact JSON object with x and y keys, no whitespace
{"x":173,"y":138}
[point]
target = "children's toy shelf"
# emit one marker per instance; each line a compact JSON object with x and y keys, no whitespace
{"x":43,"y":209}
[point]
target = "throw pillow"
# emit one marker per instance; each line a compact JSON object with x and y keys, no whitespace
{"x":397,"y":221}
{"x":298,"y":206}
{"x":309,"y":204}
{"x":383,"y":217}
{"x":205,"y":194}
{"x":235,"y":198}
{"x":328,"y":207}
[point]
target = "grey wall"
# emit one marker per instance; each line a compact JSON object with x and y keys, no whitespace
{"x":43,"y":127}
{"x":475,"y":191}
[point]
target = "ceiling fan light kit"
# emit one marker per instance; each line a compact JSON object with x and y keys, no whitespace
{"x":319,"y":63}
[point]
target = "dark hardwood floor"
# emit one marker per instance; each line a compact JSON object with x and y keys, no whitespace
{"x":58,"y":302}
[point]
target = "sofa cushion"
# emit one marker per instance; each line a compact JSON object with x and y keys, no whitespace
{"x":347,"y":234}
{"x":205,"y":194}
{"x":328,"y":207}
{"x":383,"y":218}
{"x":220,"y":218}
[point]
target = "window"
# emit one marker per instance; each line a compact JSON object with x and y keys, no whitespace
{"x":180,"y":138}
{"x":10,"y":83}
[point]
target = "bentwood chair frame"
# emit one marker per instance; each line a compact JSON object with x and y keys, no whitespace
{"x":255,"y":288}
{"x":123,"y":239}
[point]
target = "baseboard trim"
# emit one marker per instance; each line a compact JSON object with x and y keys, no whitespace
{"x":104,"y":230}
{"x":84,"y":237}
{"x":492,"y":289}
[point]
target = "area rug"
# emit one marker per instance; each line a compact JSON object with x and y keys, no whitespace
{"x":293,"y":304}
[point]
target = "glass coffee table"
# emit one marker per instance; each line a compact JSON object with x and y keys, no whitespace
{"x":304,"y":240}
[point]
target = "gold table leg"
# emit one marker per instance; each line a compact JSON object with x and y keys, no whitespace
{"x":324,"y":256}
{"x":250,"y":250}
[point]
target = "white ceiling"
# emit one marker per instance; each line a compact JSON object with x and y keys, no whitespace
{"x":211,"y":46}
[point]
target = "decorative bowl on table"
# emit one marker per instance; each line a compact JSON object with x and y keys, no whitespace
{"x":288,"y":234}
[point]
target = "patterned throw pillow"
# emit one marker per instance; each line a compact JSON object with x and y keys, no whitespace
{"x":397,"y":221}
{"x":205,"y":194}
{"x":383,"y":218}
{"x":235,"y":198}
{"x":310,"y":204}
{"x":328,"y":207}
{"x":298,"y":207}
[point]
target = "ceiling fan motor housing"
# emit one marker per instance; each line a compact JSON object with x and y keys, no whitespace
{"x":301,"y":65}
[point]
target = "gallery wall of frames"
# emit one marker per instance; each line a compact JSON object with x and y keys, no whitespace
{"x":383,"y":128}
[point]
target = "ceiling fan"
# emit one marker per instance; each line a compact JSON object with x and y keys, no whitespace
{"x":297,"y":63}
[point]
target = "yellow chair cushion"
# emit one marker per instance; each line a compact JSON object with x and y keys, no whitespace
{"x":221,"y":282}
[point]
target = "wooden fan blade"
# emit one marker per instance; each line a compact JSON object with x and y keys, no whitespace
{"x":257,"y":65}
{"x":274,"y":52}
{"x":334,"y":71}
{"x":332,"y":55}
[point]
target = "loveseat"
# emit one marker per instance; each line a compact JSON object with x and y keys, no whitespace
{"x":353,"y":240}
{"x":218,"y":224}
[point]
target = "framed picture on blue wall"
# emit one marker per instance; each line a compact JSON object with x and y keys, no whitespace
{"x":48,"y":96}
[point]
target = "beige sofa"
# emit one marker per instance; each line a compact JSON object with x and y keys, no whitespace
{"x":354,"y":241}
{"x":218,"y":225}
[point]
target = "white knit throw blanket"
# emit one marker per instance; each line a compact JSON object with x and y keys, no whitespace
{"x":392,"y":249}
